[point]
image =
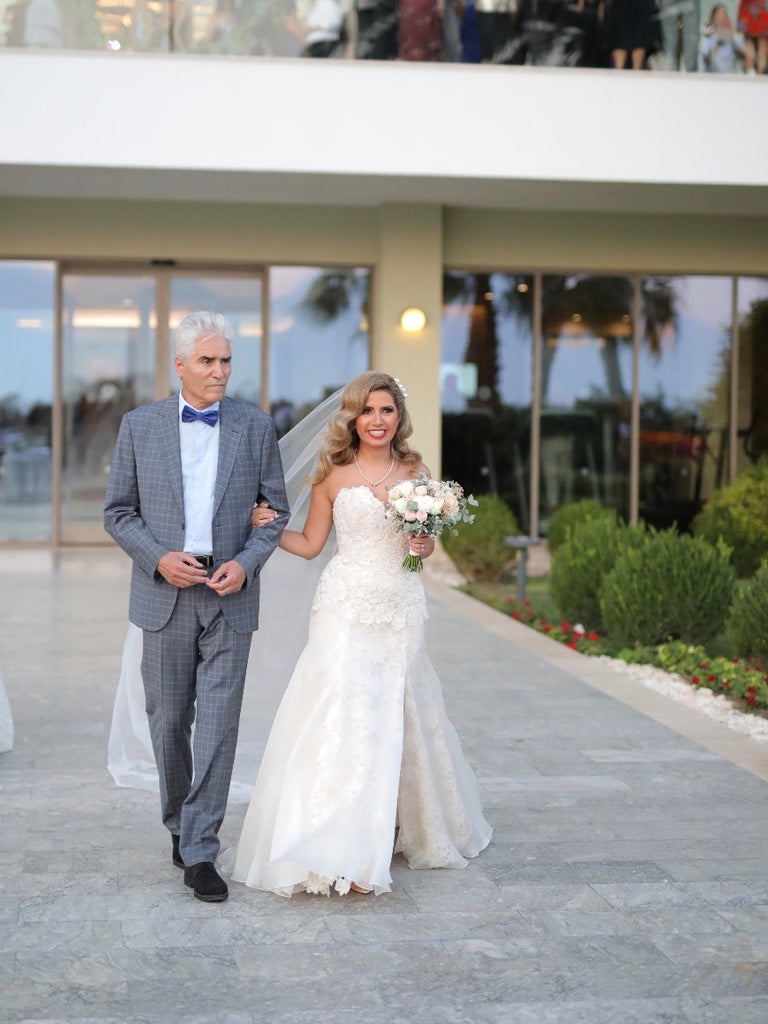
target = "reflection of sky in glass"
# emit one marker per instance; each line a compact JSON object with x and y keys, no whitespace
{"x":689,"y":362}
{"x":107,"y":334}
{"x":751,"y":289}
{"x":515,"y":344}
{"x":579,"y":371}
{"x":26,"y":329}
{"x":308,"y":357}
{"x":577,"y":365}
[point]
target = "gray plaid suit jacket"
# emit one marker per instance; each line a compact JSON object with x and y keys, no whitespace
{"x":144,"y":505}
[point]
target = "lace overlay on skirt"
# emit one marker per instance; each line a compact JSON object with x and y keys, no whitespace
{"x":361,"y":740}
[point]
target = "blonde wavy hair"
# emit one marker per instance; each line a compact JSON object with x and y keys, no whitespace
{"x":342,"y":442}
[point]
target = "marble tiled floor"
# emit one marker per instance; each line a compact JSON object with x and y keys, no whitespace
{"x":627,"y":882}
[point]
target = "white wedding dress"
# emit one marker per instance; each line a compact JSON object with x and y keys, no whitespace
{"x":361,"y":742}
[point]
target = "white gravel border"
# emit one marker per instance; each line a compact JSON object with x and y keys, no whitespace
{"x":700,"y":698}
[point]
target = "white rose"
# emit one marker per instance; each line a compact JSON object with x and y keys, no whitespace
{"x":423,"y":502}
{"x":437,"y":506}
{"x":420,"y":489}
{"x":410,"y":517}
{"x":394,"y":494}
{"x":405,"y":487}
{"x":450,"y":505}
{"x":401,"y":505}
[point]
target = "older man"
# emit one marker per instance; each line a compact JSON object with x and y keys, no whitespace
{"x":185,"y":474}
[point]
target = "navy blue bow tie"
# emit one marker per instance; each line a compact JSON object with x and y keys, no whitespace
{"x":209,"y":416}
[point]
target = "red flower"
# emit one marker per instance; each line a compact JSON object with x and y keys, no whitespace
{"x":726,"y":683}
{"x":751,"y":700}
{"x":735,"y":661}
{"x":546,"y":627}
{"x":515,"y":615}
{"x":711,"y":679}
{"x":594,"y":636}
{"x":526,"y":602}
{"x":566,"y":626}
{"x":574,"y":646}
{"x":696,"y":680}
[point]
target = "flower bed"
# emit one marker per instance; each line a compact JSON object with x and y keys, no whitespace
{"x":744,"y":683}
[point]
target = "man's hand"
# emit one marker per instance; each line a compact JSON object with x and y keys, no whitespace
{"x":228,"y":579}
{"x":181,"y":570}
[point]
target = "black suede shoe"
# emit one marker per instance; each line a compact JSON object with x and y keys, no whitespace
{"x":175,"y":855}
{"x":208,"y":885}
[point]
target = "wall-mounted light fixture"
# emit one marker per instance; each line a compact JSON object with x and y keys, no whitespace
{"x":413,"y":319}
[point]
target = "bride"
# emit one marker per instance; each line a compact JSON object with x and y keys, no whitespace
{"x":361,"y":757}
{"x":361,"y":760}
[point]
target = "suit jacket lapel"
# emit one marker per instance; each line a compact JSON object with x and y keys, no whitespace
{"x":230,"y":429}
{"x":169,"y":439}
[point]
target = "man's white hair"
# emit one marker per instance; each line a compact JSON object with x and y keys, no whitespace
{"x":199,"y":327}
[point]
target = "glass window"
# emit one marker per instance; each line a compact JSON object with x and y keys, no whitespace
{"x":586,"y":389}
{"x":27,"y":292}
{"x":684,"y":382}
{"x":318,"y":336}
{"x":485,"y":385}
{"x":752,"y":405}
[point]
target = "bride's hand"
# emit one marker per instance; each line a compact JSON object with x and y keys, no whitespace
{"x":423,"y":545}
{"x":262,"y":514}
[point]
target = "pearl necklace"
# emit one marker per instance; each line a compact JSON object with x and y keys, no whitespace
{"x":374,"y":483}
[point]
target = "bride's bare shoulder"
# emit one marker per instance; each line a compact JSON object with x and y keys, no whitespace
{"x":337,"y":480}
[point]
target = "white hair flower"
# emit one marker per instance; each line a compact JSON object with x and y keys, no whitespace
{"x":403,"y":392}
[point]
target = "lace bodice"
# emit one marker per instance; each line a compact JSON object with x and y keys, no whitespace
{"x":365,"y":579}
{"x":363,"y":532}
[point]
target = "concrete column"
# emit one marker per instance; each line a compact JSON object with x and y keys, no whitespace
{"x":409,"y":273}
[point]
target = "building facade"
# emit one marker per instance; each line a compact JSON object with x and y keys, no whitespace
{"x":588,"y":248}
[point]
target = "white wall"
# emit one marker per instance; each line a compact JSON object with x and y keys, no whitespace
{"x":239,"y":129}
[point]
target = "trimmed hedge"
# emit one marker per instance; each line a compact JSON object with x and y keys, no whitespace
{"x":737,"y":516}
{"x":582,"y":562}
{"x":478,"y":549}
{"x":671,"y":586}
{"x":564,"y":520}
{"x":748,"y":620}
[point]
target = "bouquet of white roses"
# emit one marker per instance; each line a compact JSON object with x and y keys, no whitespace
{"x":424,"y":505}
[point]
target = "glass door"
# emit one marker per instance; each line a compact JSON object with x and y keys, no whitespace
{"x":107,"y":367}
{"x":117,"y":353}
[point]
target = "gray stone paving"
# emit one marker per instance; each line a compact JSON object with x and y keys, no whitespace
{"x":626,"y":883}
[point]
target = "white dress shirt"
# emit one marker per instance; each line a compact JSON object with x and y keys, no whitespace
{"x":199,"y":462}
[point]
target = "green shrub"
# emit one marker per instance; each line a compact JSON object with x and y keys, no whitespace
{"x":672,"y":586}
{"x":737,"y":516}
{"x":748,"y":620}
{"x":564,"y":520}
{"x":479,"y":550}
{"x":582,"y":562}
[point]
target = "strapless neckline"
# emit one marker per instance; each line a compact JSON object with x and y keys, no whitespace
{"x":359,"y":487}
